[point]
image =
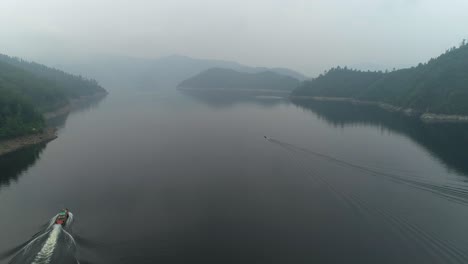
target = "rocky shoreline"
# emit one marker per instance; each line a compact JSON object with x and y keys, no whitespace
{"x":14,"y":144}
{"x":49,"y":133}
{"x":425,"y":117}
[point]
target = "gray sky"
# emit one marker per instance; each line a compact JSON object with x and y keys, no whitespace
{"x":309,"y":36}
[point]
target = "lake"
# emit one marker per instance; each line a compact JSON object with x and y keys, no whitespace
{"x":171,"y":177}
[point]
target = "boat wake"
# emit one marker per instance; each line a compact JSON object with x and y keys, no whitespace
{"x":454,"y":191}
{"x":52,"y":245}
{"x":444,"y":250}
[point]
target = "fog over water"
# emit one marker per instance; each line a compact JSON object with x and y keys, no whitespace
{"x":180,"y":178}
{"x":308,"y":36}
{"x":210,"y":172}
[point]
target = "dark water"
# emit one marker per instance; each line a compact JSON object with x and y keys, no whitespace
{"x":166,"y":177}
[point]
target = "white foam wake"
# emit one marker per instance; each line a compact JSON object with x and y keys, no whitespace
{"x":70,"y":219}
{"x":52,"y":221}
{"x":44,"y":256}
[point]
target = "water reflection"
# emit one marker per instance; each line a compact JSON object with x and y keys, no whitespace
{"x":443,"y":141}
{"x":226,"y":99}
{"x":81,"y":106}
{"x":12,"y":165}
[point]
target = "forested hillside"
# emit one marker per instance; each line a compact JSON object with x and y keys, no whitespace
{"x":219,"y":78}
{"x":29,"y":89}
{"x":438,"y":86}
{"x":338,"y":82}
{"x":71,"y":85}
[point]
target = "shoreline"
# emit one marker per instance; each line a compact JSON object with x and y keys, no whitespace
{"x":17,"y":143}
{"x":49,"y":133}
{"x":74,"y":103}
{"x":425,"y":117}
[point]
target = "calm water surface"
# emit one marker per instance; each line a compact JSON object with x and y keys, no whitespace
{"x":166,"y":177}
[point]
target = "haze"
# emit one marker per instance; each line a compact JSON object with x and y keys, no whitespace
{"x":308,"y":36}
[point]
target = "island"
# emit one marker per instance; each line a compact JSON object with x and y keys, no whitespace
{"x":228,"y":80}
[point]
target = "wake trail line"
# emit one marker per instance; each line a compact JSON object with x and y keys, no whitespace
{"x":458,"y":194}
{"x":444,"y":251}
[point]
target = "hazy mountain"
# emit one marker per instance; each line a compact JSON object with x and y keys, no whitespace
{"x":228,"y":79}
{"x":438,"y":86}
{"x":284,"y":71}
{"x":164,"y":72}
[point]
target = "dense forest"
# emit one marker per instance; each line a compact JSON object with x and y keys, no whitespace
{"x":438,"y":86}
{"x":71,"y":85}
{"x":28,"y":89}
{"x":227,"y":79}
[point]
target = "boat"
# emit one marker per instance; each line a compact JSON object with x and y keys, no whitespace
{"x":62,"y":217}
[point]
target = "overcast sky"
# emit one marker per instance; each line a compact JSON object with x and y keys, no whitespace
{"x":309,"y":36}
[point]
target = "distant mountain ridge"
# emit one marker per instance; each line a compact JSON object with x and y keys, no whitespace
{"x":204,"y":64}
{"x":228,"y":79}
{"x":439,"y":86}
{"x":164,"y":72}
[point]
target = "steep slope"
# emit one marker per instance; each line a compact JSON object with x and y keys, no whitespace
{"x":338,"y":82}
{"x":71,"y":85}
{"x":439,"y":86}
{"x":29,"y":89}
{"x":18,"y":89}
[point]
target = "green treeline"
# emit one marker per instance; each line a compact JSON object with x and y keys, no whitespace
{"x":438,"y":86}
{"x":29,"y":89}
{"x":338,"y":82}
{"x":17,"y":115}
{"x":71,"y":85}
